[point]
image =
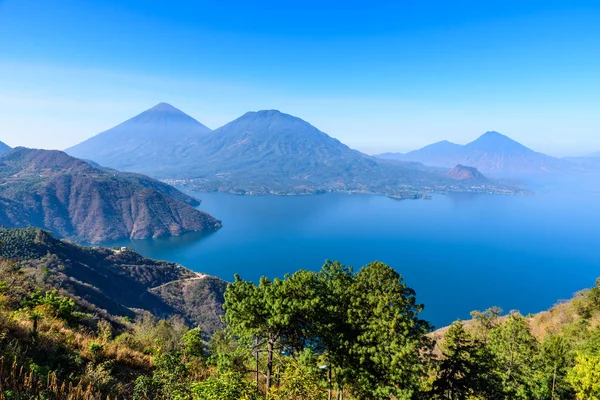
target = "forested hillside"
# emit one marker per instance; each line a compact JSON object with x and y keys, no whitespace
{"x":332,"y":333}
{"x":116,"y":282}
{"x":87,"y":203}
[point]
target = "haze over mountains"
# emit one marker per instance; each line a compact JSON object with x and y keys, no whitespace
{"x":151,"y":141}
{"x":260,"y":152}
{"x":76,"y":200}
{"x":463,"y":173}
{"x":492,"y":153}
{"x":3,"y":148}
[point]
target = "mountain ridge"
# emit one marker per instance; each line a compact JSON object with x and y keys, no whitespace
{"x":52,"y":190}
{"x":271,"y":152}
{"x":492,"y":153}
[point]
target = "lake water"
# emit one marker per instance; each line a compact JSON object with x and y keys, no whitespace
{"x":460,"y":252}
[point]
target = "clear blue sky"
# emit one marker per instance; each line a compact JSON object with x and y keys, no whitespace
{"x":378,"y":75}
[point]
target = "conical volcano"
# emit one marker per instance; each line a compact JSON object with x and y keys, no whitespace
{"x":150,"y":141}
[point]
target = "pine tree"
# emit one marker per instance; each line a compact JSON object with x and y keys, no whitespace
{"x":515,"y":350}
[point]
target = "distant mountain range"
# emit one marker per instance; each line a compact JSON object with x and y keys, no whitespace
{"x":595,"y":155}
{"x":260,"y":152}
{"x":117,"y":282}
{"x":492,"y":153}
{"x":591,"y":162}
{"x":3,"y":148}
{"x":76,"y":200}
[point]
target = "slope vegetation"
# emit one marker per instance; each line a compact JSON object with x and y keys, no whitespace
{"x":76,"y":200}
{"x":116,"y":282}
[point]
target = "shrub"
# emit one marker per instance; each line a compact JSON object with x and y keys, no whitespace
{"x":228,"y":386}
{"x":192,"y":343}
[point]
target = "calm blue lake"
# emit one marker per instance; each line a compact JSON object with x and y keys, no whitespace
{"x":460,"y":252}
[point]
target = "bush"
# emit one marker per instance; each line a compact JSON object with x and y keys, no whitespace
{"x":63,"y":307}
{"x":95,"y":350}
{"x":193,"y":346}
{"x":228,"y":386}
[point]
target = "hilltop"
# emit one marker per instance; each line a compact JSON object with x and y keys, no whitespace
{"x":492,"y":153}
{"x":461,"y":173}
{"x":77,"y":200}
{"x":266,"y":152}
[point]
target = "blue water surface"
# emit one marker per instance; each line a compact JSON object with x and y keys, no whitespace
{"x":460,"y":252}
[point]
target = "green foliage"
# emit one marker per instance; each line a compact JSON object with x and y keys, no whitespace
{"x":277,"y":314}
{"x":389,"y":336}
{"x":95,"y":350}
{"x":311,"y":335}
{"x":485,"y":321}
{"x":227,"y":386}
{"x":555,"y":360}
{"x":63,"y":307}
{"x":301,"y":379}
{"x":226,"y":354}
{"x":170,"y":376}
{"x":22,"y":244}
{"x":467,"y":369}
{"x":366,"y":324}
{"x":515,"y":350}
{"x":193,"y":345}
{"x":585,"y":377}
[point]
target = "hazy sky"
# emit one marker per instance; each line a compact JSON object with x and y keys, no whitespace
{"x":378,"y":75}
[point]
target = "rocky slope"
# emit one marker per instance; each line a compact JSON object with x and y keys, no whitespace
{"x":118,"y":282}
{"x":76,"y":200}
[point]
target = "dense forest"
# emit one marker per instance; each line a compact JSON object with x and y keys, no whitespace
{"x":336,"y":333}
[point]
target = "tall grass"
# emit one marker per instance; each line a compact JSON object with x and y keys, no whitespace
{"x":19,"y":383}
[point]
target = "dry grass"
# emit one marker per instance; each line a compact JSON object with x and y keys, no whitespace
{"x":552,"y":321}
{"x":53,"y":332}
{"x":23,"y":384}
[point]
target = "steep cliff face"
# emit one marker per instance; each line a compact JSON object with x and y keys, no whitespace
{"x":76,"y":200}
